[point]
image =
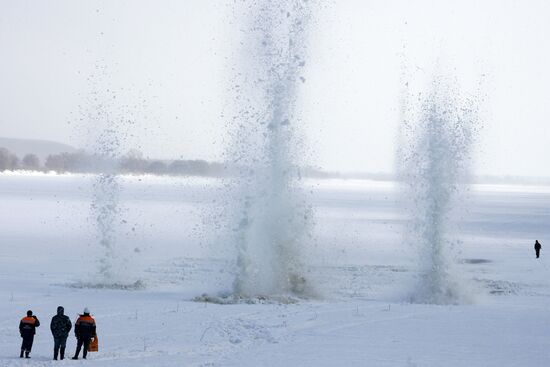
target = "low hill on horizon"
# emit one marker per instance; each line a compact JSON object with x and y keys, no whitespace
{"x":42,"y":148}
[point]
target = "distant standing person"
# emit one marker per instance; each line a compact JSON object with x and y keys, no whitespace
{"x":84,"y":330}
{"x":27,"y":329}
{"x":537,"y":248}
{"x":60,"y":327}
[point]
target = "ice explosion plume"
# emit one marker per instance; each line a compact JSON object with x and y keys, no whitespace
{"x":435,"y":165}
{"x":270,"y":214}
{"x":105,"y":204}
{"x":107,"y":126}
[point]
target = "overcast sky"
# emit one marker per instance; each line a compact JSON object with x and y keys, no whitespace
{"x":170,"y":65}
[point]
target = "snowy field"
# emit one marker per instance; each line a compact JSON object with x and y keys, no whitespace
{"x":360,"y":265}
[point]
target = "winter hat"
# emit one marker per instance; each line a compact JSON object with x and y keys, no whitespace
{"x":29,"y":313}
{"x":60,"y":309}
{"x":86,"y":310}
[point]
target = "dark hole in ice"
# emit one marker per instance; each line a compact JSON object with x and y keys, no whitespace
{"x":476,"y":261}
{"x":136,"y":286}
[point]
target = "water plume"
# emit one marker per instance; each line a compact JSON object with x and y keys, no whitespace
{"x":105,"y":206}
{"x":107,"y":128}
{"x":435,"y":166}
{"x":271,"y":215}
{"x":106,"y":210}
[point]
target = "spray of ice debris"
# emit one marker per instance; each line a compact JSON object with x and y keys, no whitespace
{"x":105,"y":205}
{"x":270,"y":213}
{"x":434,"y":168}
{"x":107,"y":129}
{"x":106,"y":209}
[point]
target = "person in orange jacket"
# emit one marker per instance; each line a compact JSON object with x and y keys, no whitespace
{"x":27,"y":329}
{"x":84,"y":330}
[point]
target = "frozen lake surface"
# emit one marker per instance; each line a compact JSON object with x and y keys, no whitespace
{"x":359,"y":263}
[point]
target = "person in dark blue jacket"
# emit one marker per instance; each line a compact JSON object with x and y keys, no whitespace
{"x":537,"y":248}
{"x":60,"y":327}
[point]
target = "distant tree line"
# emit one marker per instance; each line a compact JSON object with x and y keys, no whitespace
{"x":10,"y":161}
{"x":131,"y":163}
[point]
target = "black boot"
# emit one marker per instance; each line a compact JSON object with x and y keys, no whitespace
{"x":55,"y":353}
{"x":27,"y":355}
{"x":21,"y":355}
{"x":62,"y":353}
{"x":77,"y":351}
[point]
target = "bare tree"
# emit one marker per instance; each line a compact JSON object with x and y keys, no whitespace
{"x":157,"y":168}
{"x":191,"y":168}
{"x":31,"y":161}
{"x":79,"y":162}
{"x":8,"y":160}
{"x":133,"y":162}
{"x":56,"y":162}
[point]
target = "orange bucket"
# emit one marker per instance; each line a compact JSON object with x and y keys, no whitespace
{"x":94,"y":345}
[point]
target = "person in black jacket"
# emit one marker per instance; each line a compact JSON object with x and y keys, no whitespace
{"x":60,"y":327}
{"x":537,"y":248}
{"x":84,"y":330}
{"x":27,"y":329}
